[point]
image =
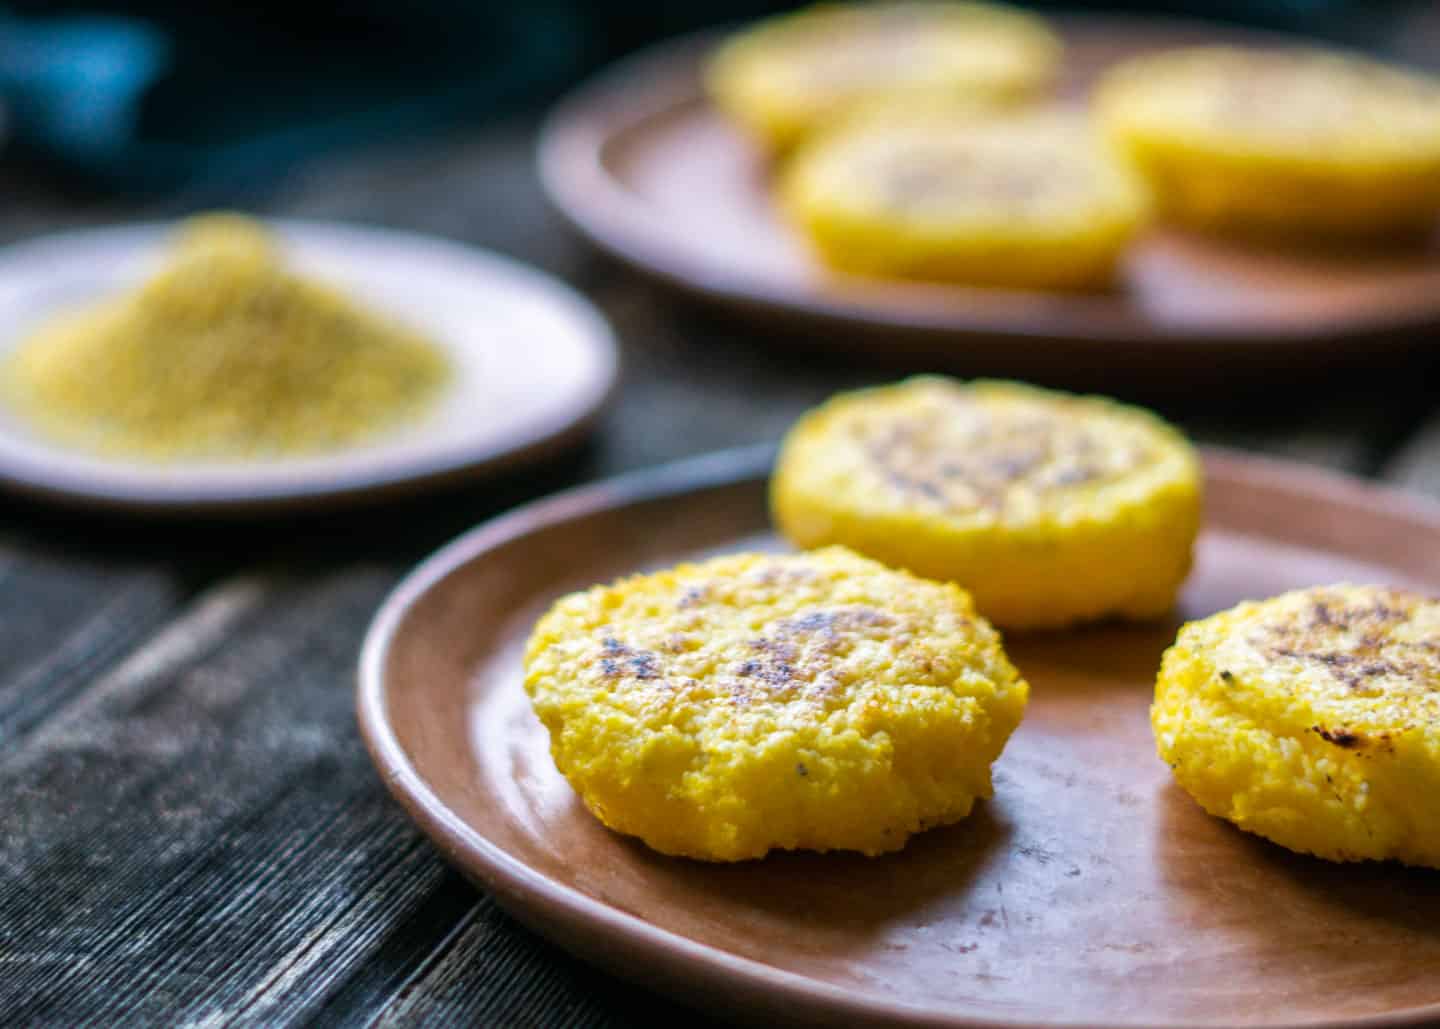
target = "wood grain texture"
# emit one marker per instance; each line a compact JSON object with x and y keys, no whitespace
{"x":189,"y":830}
{"x":1416,"y":464}
{"x":63,"y":621}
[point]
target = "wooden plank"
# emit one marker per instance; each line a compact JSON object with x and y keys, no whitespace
{"x":495,"y":973}
{"x":480,"y":188}
{"x":1416,"y":465}
{"x":1347,"y":430}
{"x":693,"y":385}
{"x":239,"y":859}
{"x":411,"y":945}
{"x":36,"y":205}
{"x":64,"y":619}
{"x":201,"y":836}
{"x":1312,"y":441}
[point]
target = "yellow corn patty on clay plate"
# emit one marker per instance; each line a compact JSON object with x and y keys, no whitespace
{"x":528,"y":364}
{"x":1049,"y":508}
{"x":755,"y":702}
{"x":1313,"y":719}
{"x":650,"y":170}
{"x":1089,"y":889}
{"x":1028,"y":201}
{"x":1293,"y":144}
{"x":795,"y":74}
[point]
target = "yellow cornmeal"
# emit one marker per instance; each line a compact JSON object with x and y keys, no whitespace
{"x":1048,"y":508}
{"x":759,"y":702}
{"x":1312,"y":719}
{"x":797,"y":73}
{"x":939,"y":191}
{"x":224,"y":353}
{"x":1281,"y":143}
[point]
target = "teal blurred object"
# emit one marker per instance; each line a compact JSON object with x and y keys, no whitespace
{"x":218,"y":103}
{"x":73,"y":84}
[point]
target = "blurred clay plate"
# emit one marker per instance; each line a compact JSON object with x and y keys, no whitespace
{"x":1089,"y":891}
{"x":646,"y":168}
{"x":533,"y":364}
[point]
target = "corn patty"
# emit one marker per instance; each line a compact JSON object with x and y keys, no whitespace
{"x":754,"y":702}
{"x":941,"y":192}
{"x":1288,"y":143}
{"x":1049,"y":508}
{"x":797,"y":73}
{"x":1312,"y":719}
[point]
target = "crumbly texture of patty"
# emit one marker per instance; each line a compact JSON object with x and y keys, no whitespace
{"x":940,"y":191}
{"x":755,"y":702}
{"x":1312,"y":719}
{"x":1280,"y":142}
{"x":796,"y":74}
{"x":1048,"y":508}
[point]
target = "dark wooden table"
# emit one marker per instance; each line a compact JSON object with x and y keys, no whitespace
{"x":190,"y":831}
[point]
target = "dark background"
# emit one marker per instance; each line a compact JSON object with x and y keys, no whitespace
{"x":216,"y":102}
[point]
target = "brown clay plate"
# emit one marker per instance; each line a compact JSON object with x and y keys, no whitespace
{"x":650,"y":172}
{"x":1090,"y":890}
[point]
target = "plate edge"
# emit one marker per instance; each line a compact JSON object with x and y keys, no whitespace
{"x":515,"y":885}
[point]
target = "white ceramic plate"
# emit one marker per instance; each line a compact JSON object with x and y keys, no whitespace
{"x":534,"y":363}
